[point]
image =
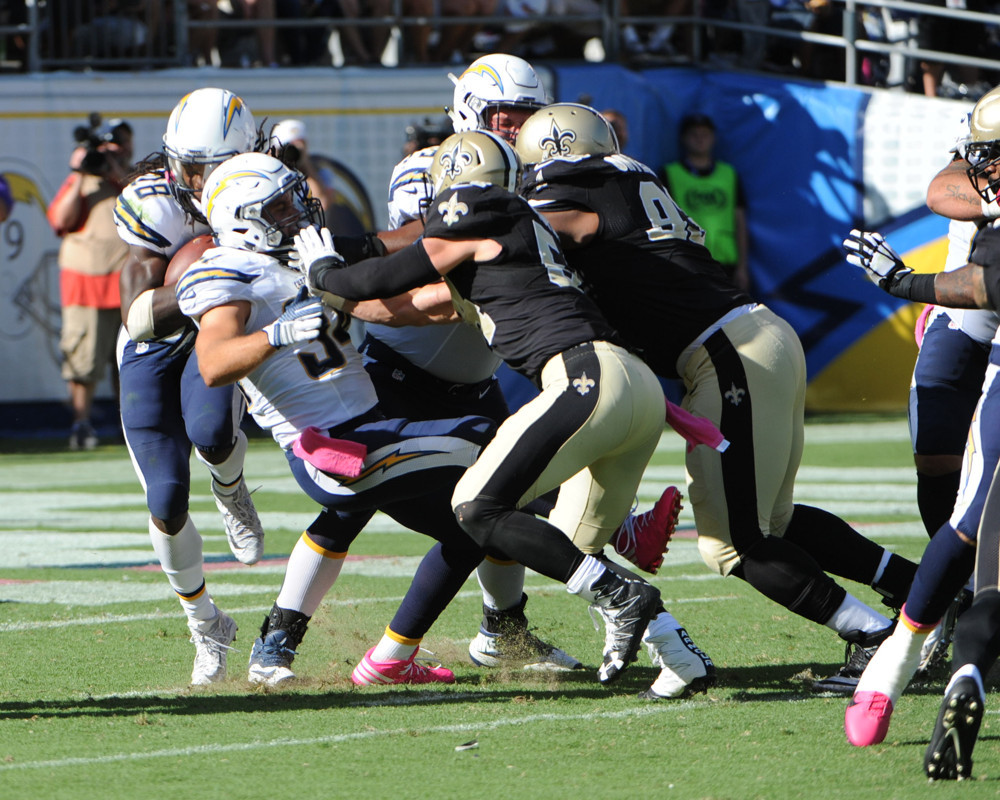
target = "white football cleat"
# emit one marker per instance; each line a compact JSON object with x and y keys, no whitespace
{"x":212,"y":640}
{"x":243,"y":529}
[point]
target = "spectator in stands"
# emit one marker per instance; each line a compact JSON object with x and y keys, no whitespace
{"x":288,"y":140}
{"x":364,"y":45}
{"x":6,"y":199}
{"x":202,"y":42}
{"x":118,"y":29}
{"x":950,"y":36}
{"x":454,"y":42}
{"x":656,"y":40}
{"x":711,"y":192}
{"x":263,"y":11}
{"x":90,"y":258}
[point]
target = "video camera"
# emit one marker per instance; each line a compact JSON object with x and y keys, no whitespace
{"x":93,"y":135}
{"x":429,"y":132}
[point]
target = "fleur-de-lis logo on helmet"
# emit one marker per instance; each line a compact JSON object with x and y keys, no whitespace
{"x":455,"y":160}
{"x":557,"y":143}
{"x":452,"y":211}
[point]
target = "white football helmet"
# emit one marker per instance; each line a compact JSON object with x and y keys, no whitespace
{"x":474,"y":157}
{"x":983,"y":148}
{"x":490,"y":83}
{"x":566,"y":131}
{"x":205,"y":128}
{"x":254,"y":202}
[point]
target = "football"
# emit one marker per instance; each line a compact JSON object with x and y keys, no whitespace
{"x":185,"y":257}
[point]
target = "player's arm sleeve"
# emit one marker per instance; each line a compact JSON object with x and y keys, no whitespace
{"x":382,"y":277}
{"x":357,"y":248}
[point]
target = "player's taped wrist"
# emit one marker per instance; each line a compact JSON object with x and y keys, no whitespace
{"x":357,"y":248}
{"x":383,"y":277}
{"x":913,"y":287}
{"x":991,"y":210}
{"x":140,"y":322}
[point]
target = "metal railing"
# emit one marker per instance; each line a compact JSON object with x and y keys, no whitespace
{"x":145,"y":34}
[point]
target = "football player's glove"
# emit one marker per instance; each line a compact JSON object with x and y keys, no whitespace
{"x":872,"y":253}
{"x":316,"y":255}
{"x":301,"y":321}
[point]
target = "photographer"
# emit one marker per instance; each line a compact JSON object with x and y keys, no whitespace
{"x":90,"y":257}
{"x":288,"y":141}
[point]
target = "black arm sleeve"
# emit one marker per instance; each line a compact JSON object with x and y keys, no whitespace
{"x":357,"y":248}
{"x":918,"y":288}
{"x":381,"y":277}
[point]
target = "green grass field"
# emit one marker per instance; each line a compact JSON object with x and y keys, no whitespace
{"x":94,"y":701}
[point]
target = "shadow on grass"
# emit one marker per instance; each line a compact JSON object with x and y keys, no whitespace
{"x":234,"y":697}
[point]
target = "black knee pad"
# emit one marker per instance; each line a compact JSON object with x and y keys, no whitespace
{"x":216,"y":453}
{"x":479,"y":518}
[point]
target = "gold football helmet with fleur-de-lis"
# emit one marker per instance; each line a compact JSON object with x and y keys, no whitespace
{"x":983,"y":148}
{"x":565,"y":130}
{"x":474,"y":157}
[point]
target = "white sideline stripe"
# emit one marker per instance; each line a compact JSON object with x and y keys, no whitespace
{"x":236,"y":747}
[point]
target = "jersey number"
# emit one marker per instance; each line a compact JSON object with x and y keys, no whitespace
{"x":548,"y":249}
{"x":317,"y":367}
{"x":666,"y":220}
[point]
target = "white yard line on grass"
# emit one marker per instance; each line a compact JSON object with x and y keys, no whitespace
{"x":464,"y":728}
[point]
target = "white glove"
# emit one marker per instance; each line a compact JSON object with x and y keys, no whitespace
{"x":301,"y":321}
{"x":315,"y":255}
{"x":872,"y":253}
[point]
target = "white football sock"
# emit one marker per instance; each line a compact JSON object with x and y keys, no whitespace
{"x":894,"y":663}
{"x":390,"y":648}
{"x":967,"y":671}
{"x":310,"y":574}
{"x":853,"y":615}
{"x":180,"y":558}
{"x":502,"y":583}
{"x":582,"y":580}
{"x":227,"y":474}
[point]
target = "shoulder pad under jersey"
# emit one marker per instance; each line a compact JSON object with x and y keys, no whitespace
{"x":222,"y":275}
{"x":474,"y":211}
{"x":147,"y":215}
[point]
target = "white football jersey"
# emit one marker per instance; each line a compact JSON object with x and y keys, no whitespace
{"x":977,"y":324}
{"x":319,"y":383}
{"x":148,"y":215}
{"x":454,"y":353}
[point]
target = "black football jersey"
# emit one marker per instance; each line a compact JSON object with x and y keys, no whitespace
{"x":986,"y":252}
{"x":647,"y":268}
{"x":528,"y":303}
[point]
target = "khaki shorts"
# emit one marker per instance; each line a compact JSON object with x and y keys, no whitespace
{"x":87,"y":342}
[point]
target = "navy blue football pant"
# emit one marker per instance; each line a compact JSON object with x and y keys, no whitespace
{"x":166,"y":407}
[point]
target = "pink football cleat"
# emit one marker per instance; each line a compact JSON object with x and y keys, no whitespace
{"x":374,"y":673}
{"x":866,"y":721}
{"x":643,"y":538}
